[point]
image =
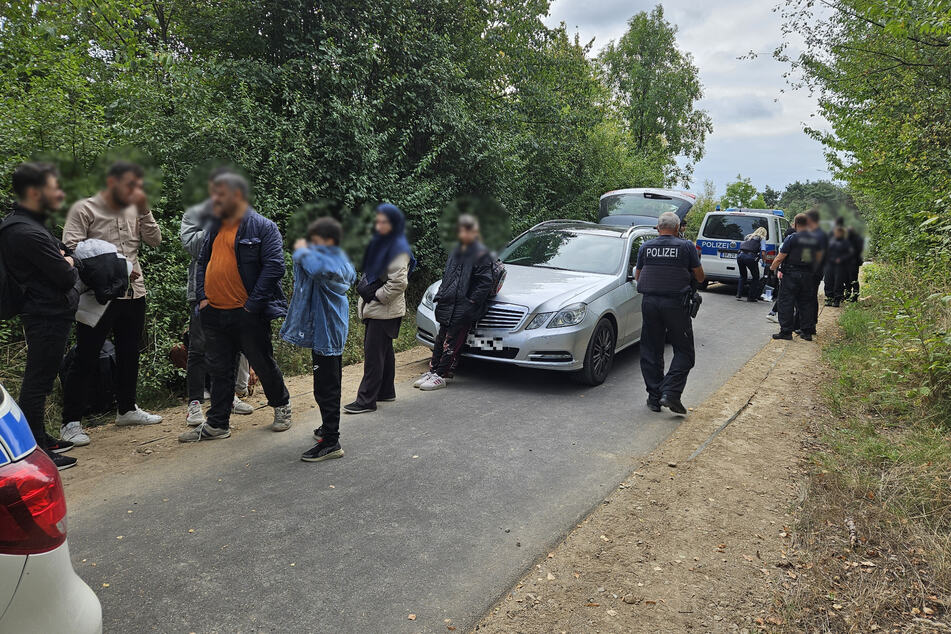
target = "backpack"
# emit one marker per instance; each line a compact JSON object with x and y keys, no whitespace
{"x":11,"y":293}
{"x":102,"y":396}
{"x":498,"y":277}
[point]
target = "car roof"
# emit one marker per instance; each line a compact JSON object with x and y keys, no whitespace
{"x":581,"y":226}
{"x":672,"y":193}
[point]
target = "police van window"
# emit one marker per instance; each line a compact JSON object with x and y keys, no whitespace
{"x":733,"y":226}
{"x":783,"y":226}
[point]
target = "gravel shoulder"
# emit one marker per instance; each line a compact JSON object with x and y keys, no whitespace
{"x":685,"y":545}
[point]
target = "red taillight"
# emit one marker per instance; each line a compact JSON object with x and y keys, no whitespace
{"x":698,"y":248}
{"x":770,"y":256}
{"x":32,"y":506}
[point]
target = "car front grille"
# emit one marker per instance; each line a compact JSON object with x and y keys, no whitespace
{"x":502,"y":317}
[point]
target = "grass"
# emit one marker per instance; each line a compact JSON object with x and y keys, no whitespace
{"x":875,"y":527}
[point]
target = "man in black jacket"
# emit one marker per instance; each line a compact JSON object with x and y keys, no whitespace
{"x":42,"y":267}
{"x":466,"y":284}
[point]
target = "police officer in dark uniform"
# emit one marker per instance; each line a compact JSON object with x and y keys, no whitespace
{"x":666,"y":268}
{"x":797,"y":261}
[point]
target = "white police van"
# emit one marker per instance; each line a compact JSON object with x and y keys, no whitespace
{"x":721,"y":233}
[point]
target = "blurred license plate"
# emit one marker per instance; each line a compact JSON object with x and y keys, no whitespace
{"x":730,"y":255}
{"x":484,"y":343}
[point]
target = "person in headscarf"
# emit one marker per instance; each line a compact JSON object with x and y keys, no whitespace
{"x":381,"y":305}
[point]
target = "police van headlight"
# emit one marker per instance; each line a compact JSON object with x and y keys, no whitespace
{"x":569,"y":316}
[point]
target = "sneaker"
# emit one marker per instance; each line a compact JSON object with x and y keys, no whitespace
{"x":322,"y":451}
{"x":673,"y":404}
{"x":423,"y":379}
{"x":805,"y":336}
{"x":240,"y":407}
{"x":282,"y":418}
{"x":783,"y":335}
{"x":771,"y":316}
{"x":356,"y":408}
{"x":653,"y":404}
{"x":204,"y":432}
{"x":137,"y":416}
{"x":319,"y":434}
{"x":388,"y":399}
{"x":195,"y":414}
{"x":435,"y":382}
{"x":739,"y":299}
{"x":54,"y":445}
{"x":73,"y":432}
{"x":61,"y":462}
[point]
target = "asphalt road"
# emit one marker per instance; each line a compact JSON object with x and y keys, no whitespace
{"x":442,"y":502}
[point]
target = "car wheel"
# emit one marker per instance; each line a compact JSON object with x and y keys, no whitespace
{"x":600,"y":355}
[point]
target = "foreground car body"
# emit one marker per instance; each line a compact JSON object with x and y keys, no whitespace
{"x":39,"y":590}
{"x":569,"y":301}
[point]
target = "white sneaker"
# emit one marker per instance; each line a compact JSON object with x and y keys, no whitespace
{"x":137,"y":416}
{"x":73,"y":432}
{"x":282,"y":418}
{"x":195,"y":414}
{"x":435,"y":382}
{"x":419,"y":382}
{"x":240,"y":407}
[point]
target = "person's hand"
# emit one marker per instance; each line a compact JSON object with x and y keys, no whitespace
{"x":300,"y":244}
{"x":140,"y":200}
{"x":779,"y":275}
{"x":69,"y":260}
{"x":134,"y":275}
{"x":202,"y":304}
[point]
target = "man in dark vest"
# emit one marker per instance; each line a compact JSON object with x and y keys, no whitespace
{"x":798,"y":261}
{"x":667,"y":266}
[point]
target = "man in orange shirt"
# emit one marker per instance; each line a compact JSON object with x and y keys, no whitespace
{"x":238,"y":287}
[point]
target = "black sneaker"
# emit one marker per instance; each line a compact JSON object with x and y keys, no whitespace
{"x":806,"y":336}
{"x":783,"y":335}
{"x":357,"y":408}
{"x":322,"y":451}
{"x":653,"y":404}
{"x":61,"y":462}
{"x":388,"y":399}
{"x":673,"y":404}
{"x":55,"y":445}
{"x":319,"y":434}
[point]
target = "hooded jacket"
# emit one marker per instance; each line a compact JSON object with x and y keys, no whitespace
{"x":192,"y":235}
{"x":465,"y":287}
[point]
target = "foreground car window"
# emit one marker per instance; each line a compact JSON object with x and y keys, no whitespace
{"x":566,"y":251}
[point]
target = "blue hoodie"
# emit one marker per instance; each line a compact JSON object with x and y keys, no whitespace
{"x":319,"y":315}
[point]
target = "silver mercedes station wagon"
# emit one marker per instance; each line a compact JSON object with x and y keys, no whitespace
{"x":569,"y":301}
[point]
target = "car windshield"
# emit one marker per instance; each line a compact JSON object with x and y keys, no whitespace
{"x":640,"y":204}
{"x":565,"y":250}
{"x":733,"y":226}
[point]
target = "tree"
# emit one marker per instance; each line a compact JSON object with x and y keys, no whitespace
{"x":656,"y":87}
{"x":739,"y":193}
{"x":758,"y":202}
{"x":771,"y":197}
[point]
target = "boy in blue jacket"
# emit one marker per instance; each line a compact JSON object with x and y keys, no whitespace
{"x":319,"y":319}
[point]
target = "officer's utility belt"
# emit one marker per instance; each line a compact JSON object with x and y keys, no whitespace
{"x":799,"y":269}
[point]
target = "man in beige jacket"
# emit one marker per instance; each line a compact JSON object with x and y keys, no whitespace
{"x":120,"y":215}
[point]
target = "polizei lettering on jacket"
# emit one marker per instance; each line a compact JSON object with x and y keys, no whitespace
{"x":663,"y":252}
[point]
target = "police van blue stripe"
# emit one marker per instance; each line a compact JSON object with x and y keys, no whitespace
{"x":16,"y":439}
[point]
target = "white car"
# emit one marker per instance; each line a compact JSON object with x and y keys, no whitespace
{"x":39,"y":590}
{"x":720,"y":235}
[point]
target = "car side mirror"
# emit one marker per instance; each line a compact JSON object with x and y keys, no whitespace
{"x":630,"y":274}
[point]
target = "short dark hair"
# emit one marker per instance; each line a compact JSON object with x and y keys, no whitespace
{"x":28,"y":175}
{"x":468,"y":221}
{"x":121,"y":168}
{"x":801,"y":220}
{"x":234,"y":182}
{"x":813,"y":214}
{"x":218,"y":171}
{"x":326,"y":228}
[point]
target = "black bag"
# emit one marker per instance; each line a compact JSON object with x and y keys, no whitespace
{"x":367,"y":290}
{"x":11,"y":294}
{"x":102,"y":396}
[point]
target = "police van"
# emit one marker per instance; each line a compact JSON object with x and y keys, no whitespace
{"x":720,"y":235}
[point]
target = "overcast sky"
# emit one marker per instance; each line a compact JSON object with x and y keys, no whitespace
{"x":757,"y":129}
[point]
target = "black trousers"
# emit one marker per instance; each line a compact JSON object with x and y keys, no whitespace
{"x":665,"y":319}
{"x":746,"y":262}
{"x":798,"y":298}
{"x":828,"y":280}
{"x":840,"y":280}
{"x":196,"y":373}
{"x":46,"y":339}
{"x":447,"y":347}
{"x":125,"y":320}
{"x":379,"y":361}
{"x":328,"y":375}
{"x":228,"y":332}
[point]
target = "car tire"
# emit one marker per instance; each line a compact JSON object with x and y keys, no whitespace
{"x":599,"y":357}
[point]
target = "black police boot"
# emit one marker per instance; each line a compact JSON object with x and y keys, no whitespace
{"x":653,"y":404}
{"x":673,"y":404}
{"x":836,"y":303}
{"x":783,"y":335}
{"x":806,"y":336}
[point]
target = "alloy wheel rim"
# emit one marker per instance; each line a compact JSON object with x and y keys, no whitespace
{"x":603,"y":351}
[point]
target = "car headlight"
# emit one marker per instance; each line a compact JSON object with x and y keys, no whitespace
{"x":429,"y":299}
{"x":538,"y":321}
{"x":569,"y":316}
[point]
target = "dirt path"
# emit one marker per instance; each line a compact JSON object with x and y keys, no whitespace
{"x":689,"y":545}
{"x":116,"y":451}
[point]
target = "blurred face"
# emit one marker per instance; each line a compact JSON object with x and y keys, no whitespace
{"x":50,"y":197}
{"x":226,"y":203}
{"x":321,"y":241}
{"x":121,"y":188}
{"x":468,"y":234}
{"x":383,"y":225}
